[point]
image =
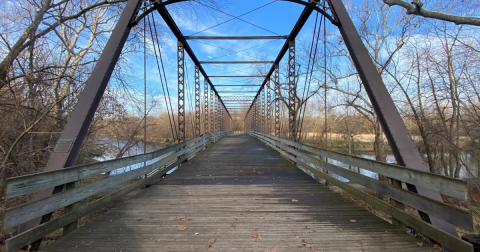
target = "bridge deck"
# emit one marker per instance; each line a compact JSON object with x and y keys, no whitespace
{"x":238,"y":196}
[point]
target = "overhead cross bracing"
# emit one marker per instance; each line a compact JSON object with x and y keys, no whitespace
{"x":260,"y":102}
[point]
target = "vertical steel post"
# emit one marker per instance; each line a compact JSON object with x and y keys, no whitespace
{"x":292,"y":91}
{"x":255,"y":116}
{"x":404,"y":149}
{"x":217,"y":121}
{"x":220,"y":121}
{"x":77,"y":125}
{"x":263,"y":108}
{"x":276,"y":82}
{"x":181,"y":91}
{"x":212,"y":111}
{"x":197,"y":102}
{"x":269,"y":108}
{"x":224,"y":121}
{"x":205,"y":110}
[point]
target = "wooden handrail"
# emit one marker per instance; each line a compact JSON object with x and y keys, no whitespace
{"x":310,"y":159}
{"x":163,"y":159}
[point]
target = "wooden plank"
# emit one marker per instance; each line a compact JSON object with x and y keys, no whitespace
{"x":22,"y":185}
{"x":449,"y":186}
{"x":454,"y":215}
{"x":232,"y":190}
{"x":21,"y":214}
{"x":29,"y":236}
{"x":446,"y":239}
{"x":441,"y":236}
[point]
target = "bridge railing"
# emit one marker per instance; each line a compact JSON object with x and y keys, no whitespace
{"x":313,"y":160}
{"x":151,"y":166}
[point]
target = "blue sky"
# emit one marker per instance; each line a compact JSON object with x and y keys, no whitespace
{"x":276,"y":18}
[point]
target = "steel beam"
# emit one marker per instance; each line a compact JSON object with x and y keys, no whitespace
{"x":276,"y":82}
{"x":217,"y":116}
{"x":216,"y":85}
{"x":162,"y":10}
{"x":237,"y":62}
{"x":269,"y":108}
{"x":403,"y":148}
{"x":234,"y":37}
{"x":250,"y":101}
{"x":235,"y":91}
{"x":307,"y":11}
{"x":292,"y":92}
{"x":263,"y":108}
{"x":237,"y":76}
{"x":77,"y":125}
{"x":205,"y":110}
{"x":212,"y":111}
{"x":181,"y":90}
{"x":197,"y":102}
{"x":230,"y":98}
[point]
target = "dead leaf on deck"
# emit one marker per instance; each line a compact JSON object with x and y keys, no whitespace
{"x":256,"y":236}
{"x":181,"y":228}
{"x":199,"y":175}
{"x":260,"y":172}
{"x":180,"y":217}
{"x":420,"y":244}
{"x":352,"y":220}
{"x":294,"y":200}
{"x":270,"y":250}
{"x":210,"y":243}
{"x":436,"y":246}
{"x":306,"y":244}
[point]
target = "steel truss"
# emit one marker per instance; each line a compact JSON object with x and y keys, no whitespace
{"x":238,"y":98}
{"x":197,"y":102}
{"x":181,"y":91}
{"x":276,"y":82}
{"x":292,"y":92}
{"x":263,"y":108}
{"x":212,"y":111}
{"x":205,"y":110}
{"x":73,"y":134}
{"x":269,"y":108}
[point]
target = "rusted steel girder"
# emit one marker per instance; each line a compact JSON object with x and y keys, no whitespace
{"x":181,"y":91}
{"x":269,"y":108}
{"x":205,"y":110}
{"x":77,"y":125}
{"x":276,"y":82}
{"x":197,"y":102}
{"x":292,"y":92}
{"x":212,"y":111}
{"x":403,"y":148}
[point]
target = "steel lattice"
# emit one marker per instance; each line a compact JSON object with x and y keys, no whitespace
{"x":205,"y":111}
{"x":292,"y":91}
{"x":181,"y":91}
{"x":276,"y":81}
{"x":269,"y":108}
{"x":197,"y":102}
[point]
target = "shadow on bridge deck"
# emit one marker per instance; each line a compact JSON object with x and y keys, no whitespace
{"x":238,"y":195}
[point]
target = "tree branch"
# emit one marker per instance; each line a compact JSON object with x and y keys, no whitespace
{"x":415,"y":8}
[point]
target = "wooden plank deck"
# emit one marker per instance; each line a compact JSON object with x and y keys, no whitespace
{"x":230,"y":193}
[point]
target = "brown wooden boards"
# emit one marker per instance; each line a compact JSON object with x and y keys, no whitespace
{"x":238,"y":195}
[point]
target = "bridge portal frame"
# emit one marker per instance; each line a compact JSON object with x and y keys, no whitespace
{"x":72,"y":136}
